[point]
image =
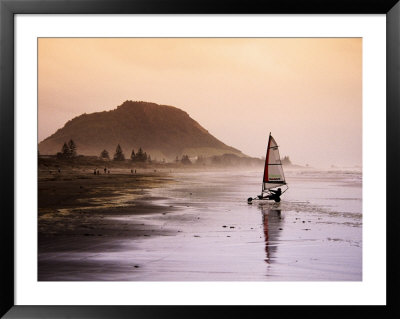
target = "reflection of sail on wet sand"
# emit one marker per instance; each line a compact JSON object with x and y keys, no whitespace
{"x":272,"y":222}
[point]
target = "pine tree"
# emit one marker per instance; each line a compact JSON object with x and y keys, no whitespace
{"x":104,"y":155}
{"x":185,"y":160}
{"x":65,"y":151}
{"x":119,"y":155}
{"x":72,"y":148}
{"x":140,"y":155}
{"x":133,"y":155}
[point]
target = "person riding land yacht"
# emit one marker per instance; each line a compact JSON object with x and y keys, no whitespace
{"x":275,"y":194}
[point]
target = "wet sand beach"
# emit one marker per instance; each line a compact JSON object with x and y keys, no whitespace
{"x":197,"y":226}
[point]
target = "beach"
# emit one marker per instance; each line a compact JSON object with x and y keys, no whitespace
{"x":196,"y":225}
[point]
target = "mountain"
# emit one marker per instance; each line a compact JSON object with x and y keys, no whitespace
{"x":160,"y":130}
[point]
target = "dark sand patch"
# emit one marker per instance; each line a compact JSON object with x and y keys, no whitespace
{"x":84,"y":213}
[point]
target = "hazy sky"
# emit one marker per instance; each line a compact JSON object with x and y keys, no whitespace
{"x":306,"y":91}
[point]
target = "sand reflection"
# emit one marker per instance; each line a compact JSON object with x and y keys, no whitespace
{"x":272,"y":222}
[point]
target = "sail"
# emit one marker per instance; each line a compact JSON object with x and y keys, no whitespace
{"x":273,"y":171}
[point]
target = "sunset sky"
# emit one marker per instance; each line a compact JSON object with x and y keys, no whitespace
{"x":307,"y":92}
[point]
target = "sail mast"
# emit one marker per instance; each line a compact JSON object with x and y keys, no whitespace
{"x":265,"y":176}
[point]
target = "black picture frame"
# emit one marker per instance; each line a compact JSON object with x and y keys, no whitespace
{"x":8,"y":8}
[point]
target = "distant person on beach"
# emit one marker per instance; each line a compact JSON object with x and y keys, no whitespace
{"x":94,"y":172}
{"x":105,"y":170}
{"x":131,"y":171}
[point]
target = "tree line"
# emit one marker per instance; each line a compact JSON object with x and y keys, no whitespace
{"x":184,"y":160}
{"x":140,"y":156}
{"x":69,"y":150}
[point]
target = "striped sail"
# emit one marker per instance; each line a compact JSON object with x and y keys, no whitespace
{"x":273,"y":171}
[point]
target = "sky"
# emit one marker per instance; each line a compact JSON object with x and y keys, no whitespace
{"x":306,"y":91}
